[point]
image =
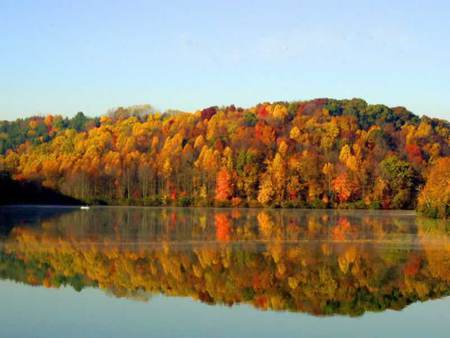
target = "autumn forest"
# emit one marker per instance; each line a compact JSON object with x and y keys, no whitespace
{"x":322,"y":153}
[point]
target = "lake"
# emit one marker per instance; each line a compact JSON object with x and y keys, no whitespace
{"x":173,"y":272}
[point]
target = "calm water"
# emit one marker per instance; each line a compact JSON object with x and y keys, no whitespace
{"x":134,"y":272}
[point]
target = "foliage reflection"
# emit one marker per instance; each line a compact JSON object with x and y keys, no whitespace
{"x":319,"y":262}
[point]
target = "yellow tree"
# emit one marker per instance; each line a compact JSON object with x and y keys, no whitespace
{"x":328,"y":171}
{"x":273,"y":184}
{"x":434,"y":199}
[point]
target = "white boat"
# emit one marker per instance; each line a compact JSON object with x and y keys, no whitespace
{"x":85,"y":207}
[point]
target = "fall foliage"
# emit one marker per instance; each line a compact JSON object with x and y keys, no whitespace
{"x":322,"y":153}
{"x":434,"y":200}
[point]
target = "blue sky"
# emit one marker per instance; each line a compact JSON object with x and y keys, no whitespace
{"x":69,"y":56}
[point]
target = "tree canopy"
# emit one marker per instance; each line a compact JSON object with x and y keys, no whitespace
{"x":322,"y":153}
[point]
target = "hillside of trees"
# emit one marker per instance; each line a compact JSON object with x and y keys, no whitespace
{"x":38,"y":129}
{"x":323,"y":153}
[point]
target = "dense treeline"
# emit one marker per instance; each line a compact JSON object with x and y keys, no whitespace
{"x":38,"y":129}
{"x":353,"y":262}
{"x":320,"y":153}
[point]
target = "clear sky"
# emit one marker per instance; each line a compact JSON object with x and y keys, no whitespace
{"x":68,"y":56}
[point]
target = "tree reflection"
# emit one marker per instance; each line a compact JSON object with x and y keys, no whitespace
{"x":319,"y":262}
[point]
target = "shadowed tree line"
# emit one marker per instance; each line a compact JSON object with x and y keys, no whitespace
{"x":30,"y":192}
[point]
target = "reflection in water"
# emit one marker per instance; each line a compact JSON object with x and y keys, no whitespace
{"x":319,"y":262}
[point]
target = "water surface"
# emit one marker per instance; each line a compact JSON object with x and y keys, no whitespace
{"x":164,"y":272}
